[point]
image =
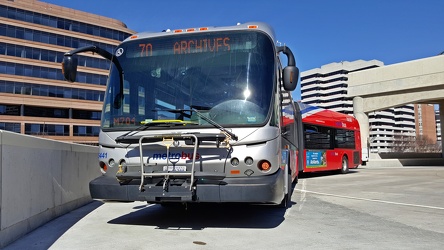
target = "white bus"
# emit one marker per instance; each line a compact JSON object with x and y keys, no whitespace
{"x":196,"y":115}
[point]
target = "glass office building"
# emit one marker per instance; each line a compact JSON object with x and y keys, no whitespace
{"x":34,"y":98}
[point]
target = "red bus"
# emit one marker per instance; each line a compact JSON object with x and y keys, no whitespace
{"x":331,"y":140}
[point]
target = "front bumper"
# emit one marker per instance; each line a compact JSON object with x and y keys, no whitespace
{"x":262,"y":189}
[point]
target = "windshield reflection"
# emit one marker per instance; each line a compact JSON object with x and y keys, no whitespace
{"x":231,"y":84}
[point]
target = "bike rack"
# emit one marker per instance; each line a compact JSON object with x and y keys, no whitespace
{"x":167,"y":140}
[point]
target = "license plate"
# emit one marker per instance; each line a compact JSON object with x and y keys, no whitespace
{"x":175,"y":168}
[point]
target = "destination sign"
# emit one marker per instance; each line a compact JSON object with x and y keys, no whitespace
{"x":192,"y":44}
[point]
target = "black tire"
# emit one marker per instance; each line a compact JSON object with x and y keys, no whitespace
{"x":344,"y":167}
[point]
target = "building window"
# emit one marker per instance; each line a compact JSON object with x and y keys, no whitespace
{"x":52,"y":91}
{"x":48,"y":73}
{"x":86,"y":114}
{"x":46,"y":129}
{"x":9,"y":126}
{"x":61,"y":23}
{"x":46,"y":112}
{"x":86,"y":130}
{"x":49,"y":56}
{"x":45,"y":37}
{"x":10,"y":110}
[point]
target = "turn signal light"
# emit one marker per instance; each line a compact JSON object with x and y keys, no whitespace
{"x":236,"y":171}
{"x":264,"y":166}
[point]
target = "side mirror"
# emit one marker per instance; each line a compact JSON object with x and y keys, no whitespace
{"x":69,"y":67}
{"x":290,"y":77}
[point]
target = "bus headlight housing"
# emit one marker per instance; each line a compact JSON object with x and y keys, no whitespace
{"x":103,"y":167}
{"x":234,"y":162}
{"x":248,"y":160}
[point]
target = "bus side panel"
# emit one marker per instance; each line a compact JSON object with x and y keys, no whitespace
{"x":324,"y":160}
{"x":353,"y":157}
{"x":316,"y":160}
{"x":337,"y":155}
{"x":334,"y":159}
{"x":356,"y":158}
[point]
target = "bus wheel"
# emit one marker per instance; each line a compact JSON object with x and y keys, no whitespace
{"x":286,"y":202}
{"x":344,"y":168}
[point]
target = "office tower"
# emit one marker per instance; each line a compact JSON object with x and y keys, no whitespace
{"x":34,"y":98}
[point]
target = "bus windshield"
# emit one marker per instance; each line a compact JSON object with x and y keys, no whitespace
{"x":226,"y":76}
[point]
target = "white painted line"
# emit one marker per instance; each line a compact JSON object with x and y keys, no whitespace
{"x":301,"y":201}
{"x":303,"y":191}
{"x":287,"y":212}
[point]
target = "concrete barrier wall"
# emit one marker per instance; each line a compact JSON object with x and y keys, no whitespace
{"x":40,"y":180}
{"x":409,"y":155}
{"x":405,"y":159}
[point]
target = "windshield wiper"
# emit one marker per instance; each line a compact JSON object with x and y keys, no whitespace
{"x":150,"y":123}
{"x":215,"y":124}
{"x":167,"y":123}
{"x":207,"y":119}
{"x":182,"y":112}
{"x":156,"y":123}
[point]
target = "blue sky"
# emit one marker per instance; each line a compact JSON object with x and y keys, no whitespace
{"x":317,"y":31}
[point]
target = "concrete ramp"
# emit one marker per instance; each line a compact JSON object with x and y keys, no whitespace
{"x":41,"y":179}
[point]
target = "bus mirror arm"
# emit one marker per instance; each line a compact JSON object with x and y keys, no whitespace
{"x":69,"y":66}
{"x":290,"y":72}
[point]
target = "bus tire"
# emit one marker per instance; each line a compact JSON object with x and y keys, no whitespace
{"x":344,"y":167}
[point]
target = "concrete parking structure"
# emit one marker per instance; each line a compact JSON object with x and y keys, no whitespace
{"x":418,"y":81}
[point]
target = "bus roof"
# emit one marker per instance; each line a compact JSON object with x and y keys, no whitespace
{"x":245,"y":26}
{"x":324,"y":117}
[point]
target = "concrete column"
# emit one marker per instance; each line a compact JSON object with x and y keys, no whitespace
{"x":358,"y":112}
{"x":441,"y":117}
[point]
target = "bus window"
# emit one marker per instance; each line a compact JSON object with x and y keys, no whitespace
{"x":344,"y":138}
{"x":317,"y":137}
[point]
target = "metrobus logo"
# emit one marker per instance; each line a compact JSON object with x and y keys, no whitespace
{"x":175,"y":156}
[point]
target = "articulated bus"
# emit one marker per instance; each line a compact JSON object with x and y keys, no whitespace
{"x":331,"y":140}
{"x":195,"y":115}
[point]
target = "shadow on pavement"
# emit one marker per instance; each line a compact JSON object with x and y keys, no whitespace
{"x":326,"y":173}
{"x":203,"y":215}
{"x":44,"y":236}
